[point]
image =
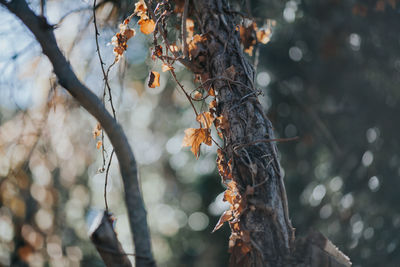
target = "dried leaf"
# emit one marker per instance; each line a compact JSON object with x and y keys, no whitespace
{"x":247,"y":36}
{"x":230,"y":197}
{"x":166,"y":67}
{"x":189,"y":28}
{"x":226,"y":216}
{"x":147,"y":25}
{"x":194,"y":138}
{"x":194,"y":48}
{"x":206,"y":119}
{"x":211,"y":92}
{"x":140,"y":8}
{"x":264,"y":35}
{"x":97,"y":131}
{"x":198,"y":95}
{"x":154,"y":79}
{"x":212,"y":105}
{"x":221,"y":122}
{"x":98,"y":144}
{"x":158,"y":50}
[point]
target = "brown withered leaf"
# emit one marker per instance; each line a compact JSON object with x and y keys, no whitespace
{"x":154,"y":79}
{"x":226,"y":216}
{"x":247,"y":37}
{"x":194,"y":138}
{"x":147,"y":25}
{"x":198,"y":95}
{"x":230,"y":197}
{"x":211,"y":92}
{"x":194,"y":45}
{"x":206,"y":119}
{"x":264,"y":35}
{"x":221,"y":122}
{"x":98,"y":144}
{"x":96,"y":131}
{"x":140,"y":8}
{"x":166,"y":67}
{"x":212,"y":105}
{"x":189,"y":29}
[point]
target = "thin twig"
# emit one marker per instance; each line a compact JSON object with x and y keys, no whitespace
{"x":106,"y":180}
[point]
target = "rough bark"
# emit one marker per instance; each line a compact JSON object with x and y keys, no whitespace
{"x":44,"y":34}
{"x":254,"y":158}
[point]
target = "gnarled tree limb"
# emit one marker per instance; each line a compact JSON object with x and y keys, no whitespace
{"x":43,"y":32}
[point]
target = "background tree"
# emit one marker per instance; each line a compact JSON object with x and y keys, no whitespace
{"x":191,"y":246}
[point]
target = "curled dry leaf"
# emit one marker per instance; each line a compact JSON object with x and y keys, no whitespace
{"x":264,"y":35}
{"x":140,"y":8}
{"x":194,"y":48}
{"x":212,"y":105}
{"x":198,"y":95}
{"x":99,"y":144}
{"x":154,"y":79}
{"x":120,"y":39}
{"x":147,"y":25}
{"x":166,"y":67}
{"x":194,"y":138}
{"x":247,"y":37}
{"x":226,"y":216}
{"x":206,"y":119}
{"x":96,"y":131}
{"x":189,"y":29}
{"x":221,"y":122}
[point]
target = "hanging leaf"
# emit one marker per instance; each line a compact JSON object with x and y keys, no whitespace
{"x":97,"y":131}
{"x":206,"y":119}
{"x":194,"y":138}
{"x":264,"y":35}
{"x":140,"y":8}
{"x":154,"y":79}
{"x":221,"y":122}
{"x":98,"y":144}
{"x":226,"y":216}
{"x":166,"y":67}
{"x":147,"y":25}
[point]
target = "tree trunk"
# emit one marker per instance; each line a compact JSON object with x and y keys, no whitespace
{"x":254,"y":164}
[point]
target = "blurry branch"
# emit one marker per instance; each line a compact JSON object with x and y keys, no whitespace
{"x":105,"y":239}
{"x":88,"y":100}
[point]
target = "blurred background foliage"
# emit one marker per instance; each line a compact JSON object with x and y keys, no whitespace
{"x":329,"y":75}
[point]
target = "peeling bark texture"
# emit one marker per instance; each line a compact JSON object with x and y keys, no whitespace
{"x":254,"y":163}
{"x":105,"y":239}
